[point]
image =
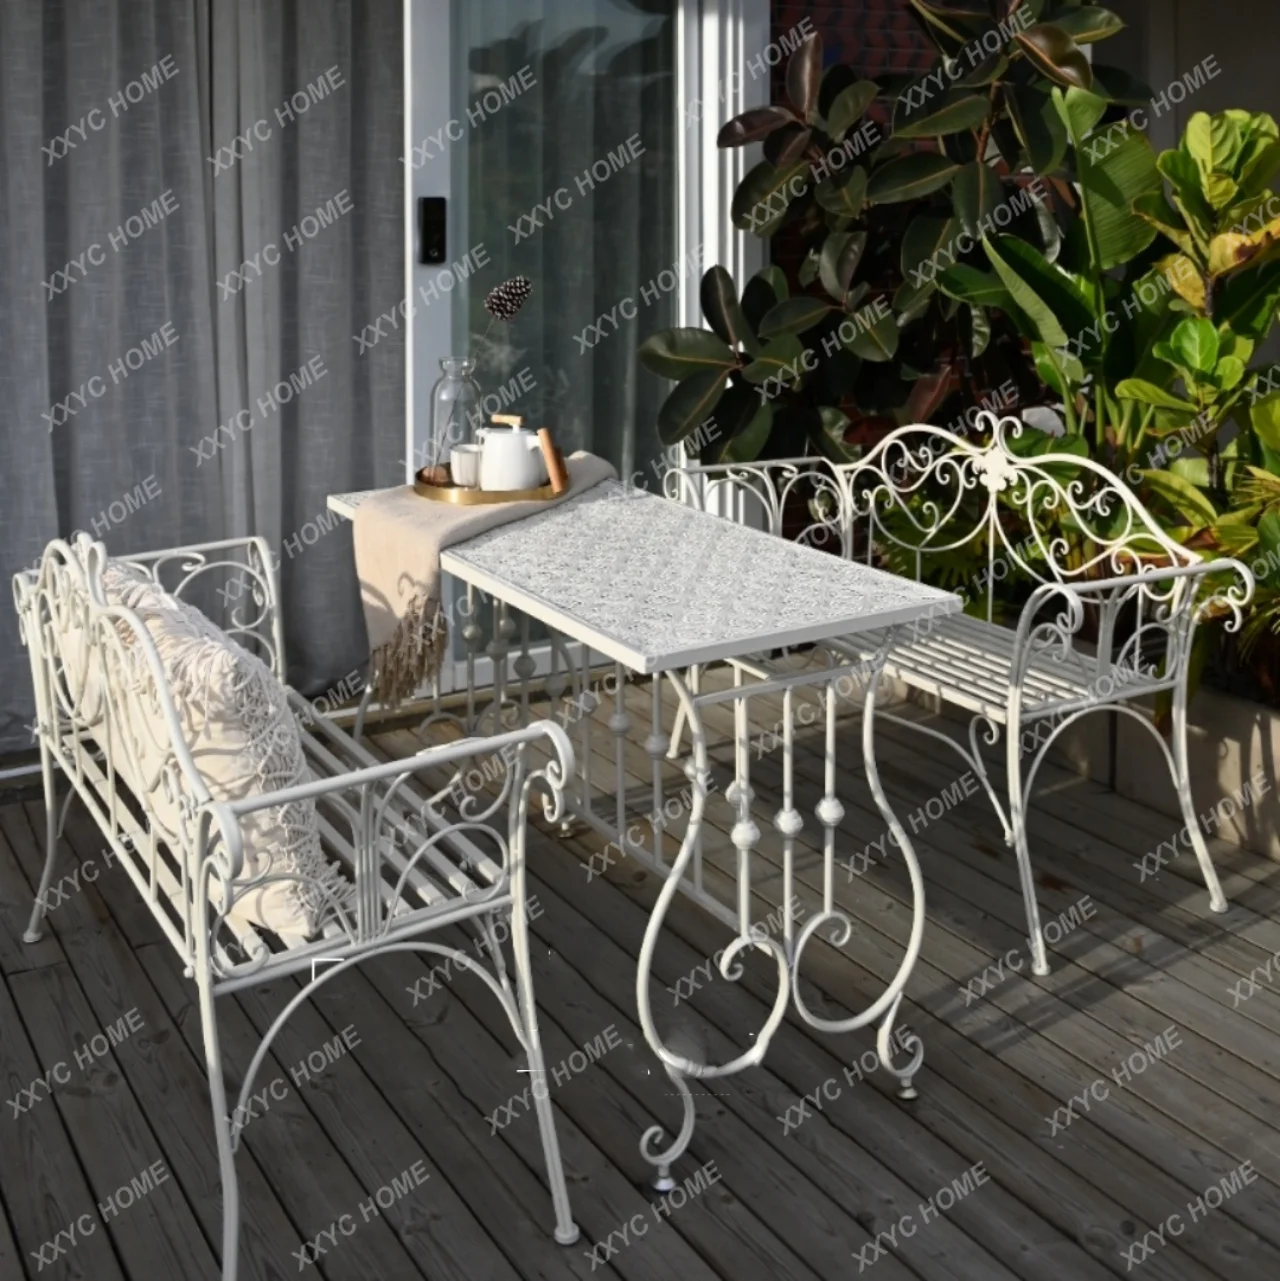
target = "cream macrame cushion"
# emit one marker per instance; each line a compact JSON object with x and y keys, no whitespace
{"x":244,"y":741}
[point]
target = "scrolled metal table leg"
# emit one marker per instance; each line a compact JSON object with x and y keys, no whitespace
{"x":678,"y":1067}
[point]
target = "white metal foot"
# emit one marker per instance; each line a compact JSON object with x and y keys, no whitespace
{"x":567,"y":1236}
{"x":908,"y":1091}
{"x":32,"y":935}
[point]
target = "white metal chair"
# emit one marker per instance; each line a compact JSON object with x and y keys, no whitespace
{"x":414,"y":860}
{"x":1077,"y":535}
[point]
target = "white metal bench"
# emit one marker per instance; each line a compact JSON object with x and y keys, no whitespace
{"x":415,"y":859}
{"x":1088,"y":552}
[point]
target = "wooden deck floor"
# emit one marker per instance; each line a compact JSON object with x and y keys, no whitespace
{"x":975,"y":1180}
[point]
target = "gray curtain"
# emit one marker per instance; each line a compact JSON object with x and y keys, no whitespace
{"x":177,"y":352}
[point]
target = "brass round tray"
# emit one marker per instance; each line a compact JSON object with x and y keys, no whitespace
{"x":477,"y":497}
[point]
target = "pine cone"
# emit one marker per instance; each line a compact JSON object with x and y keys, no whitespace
{"x":506,"y":299}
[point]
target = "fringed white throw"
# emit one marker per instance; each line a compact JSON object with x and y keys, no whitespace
{"x":399,"y":536}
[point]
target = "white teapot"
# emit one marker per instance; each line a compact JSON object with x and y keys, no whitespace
{"x":510,"y":456}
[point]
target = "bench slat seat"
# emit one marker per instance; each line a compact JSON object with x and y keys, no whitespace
{"x":406,"y":848}
{"x":1062,"y":523}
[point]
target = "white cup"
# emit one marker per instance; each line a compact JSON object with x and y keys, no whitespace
{"x":464,"y":462}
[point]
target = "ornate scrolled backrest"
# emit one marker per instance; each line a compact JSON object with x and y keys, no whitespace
{"x":99,"y":676}
{"x":231,"y":581}
{"x":1045,"y":517}
{"x":804,"y":495}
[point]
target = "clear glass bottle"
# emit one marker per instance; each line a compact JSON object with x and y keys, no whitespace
{"x":455,"y":408}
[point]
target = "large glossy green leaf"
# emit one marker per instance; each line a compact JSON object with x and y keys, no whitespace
{"x":1214,"y":143}
{"x":1066,"y":296}
{"x":910,"y":177}
{"x":1039,"y":127}
{"x":1038,"y":311}
{"x":779,"y":360}
{"x":1149,"y":394}
{"x":753,"y":125}
{"x":1111,"y":178}
{"x":1195,"y":343}
{"x":976,"y":193}
{"x":849,"y":107}
{"x":827,"y":435}
{"x":1079,"y":110}
{"x":968,"y":284}
{"x":746,"y":445}
{"x":876,"y":342}
{"x":845,"y":196}
{"x":1182,"y":496}
{"x":1161,"y":215}
{"x":922,"y":244}
{"x":1265,"y":418}
{"x":1248,"y":301}
{"x":764,"y":195}
{"x":689,"y":405}
{"x":719,"y":297}
{"x":784,"y":147}
{"x":1088,"y":23}
{"x":794,"y":316}
{"x":944,"y":113}
{"x":838,"y":261}
{"x":1055,"y":55}
{"x":1188,"y":194}
{"x":677,"y":353}
{"x":804,"y":75}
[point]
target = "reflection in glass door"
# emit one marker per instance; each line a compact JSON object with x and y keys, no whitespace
{"x":567,"y":175}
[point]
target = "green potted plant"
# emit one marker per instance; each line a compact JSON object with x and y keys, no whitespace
{"x":880,"y":188}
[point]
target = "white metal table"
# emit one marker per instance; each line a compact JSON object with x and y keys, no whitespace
{"x":661,"y":589}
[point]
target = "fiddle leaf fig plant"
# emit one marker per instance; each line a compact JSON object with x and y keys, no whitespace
{"x":878,"y":197}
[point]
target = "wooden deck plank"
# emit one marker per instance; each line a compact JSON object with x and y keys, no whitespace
{"x":43,"y":1186}
{"x":423,"y":1080}
{"x":168,"y":1080}
{"x":975,"y":1119}
{"x":154,"y":1231}
{"x":1175,"y":1155}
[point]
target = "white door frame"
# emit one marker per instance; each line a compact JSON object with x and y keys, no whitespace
{"x":715,"y":41}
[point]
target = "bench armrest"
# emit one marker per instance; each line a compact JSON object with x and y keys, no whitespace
{"x":1171,"y":600}
{"x":376,"y":820}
